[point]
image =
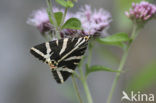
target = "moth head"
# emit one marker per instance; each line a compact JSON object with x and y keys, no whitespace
{"x":52,"y":64}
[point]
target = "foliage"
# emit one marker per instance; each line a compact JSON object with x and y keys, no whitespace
{"x":116,"y":39}
{"x":97,"y":68}
{"x":72,"y":23}
{"x":67,"y":4}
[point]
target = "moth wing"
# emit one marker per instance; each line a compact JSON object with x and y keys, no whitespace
{"x":68,"y":52}
{"x":40,"y":51}
{"x":62,"y":77}
{"x":70,"y":62}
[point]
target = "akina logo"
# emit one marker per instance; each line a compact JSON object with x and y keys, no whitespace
{"x":137,"y":97}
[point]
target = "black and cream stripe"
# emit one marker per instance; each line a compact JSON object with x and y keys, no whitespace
{"x":64,"y":54}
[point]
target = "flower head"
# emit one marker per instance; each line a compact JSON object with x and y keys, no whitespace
{"x":93,"y":22}
{"x":40,"y":20}
{"x":141,"y":12}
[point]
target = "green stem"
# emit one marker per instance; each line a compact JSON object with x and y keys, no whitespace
{"x":84,"y":82}
{"x":90,"y":47}
{"x":76,"y":89}
{"x":89,"y":97}
{"x":60,"y":27}
{"x":58,"y":34}
{"x":51,"y":13}
{"x":122,"y":62}
{"x":134,"y":32}
{"x":76,"y":75}
{"x":52,"y":18}
{"x":64,"y":16}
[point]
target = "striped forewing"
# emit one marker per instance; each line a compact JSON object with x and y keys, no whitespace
{"x":66,"y":52}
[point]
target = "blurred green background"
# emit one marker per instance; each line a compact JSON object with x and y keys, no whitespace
{"x":23,"y":79}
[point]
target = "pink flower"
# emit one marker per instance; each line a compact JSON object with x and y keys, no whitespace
{"x":141,"y":12}
{"x":40,"y":20}
{"x":94,"y":22}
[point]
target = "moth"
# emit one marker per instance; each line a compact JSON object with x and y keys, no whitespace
{"x":62,"y":55}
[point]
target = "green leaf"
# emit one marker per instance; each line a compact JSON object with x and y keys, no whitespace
{"x":67,"y":4}
{"x":72,"y":23}
{"x":58,"y":17}
{"x":116,"y":39}
{"x":70,"y":4}
{"x":143,"y":80}
{"x":62,"y":2}
{"x":119,"y":44}
{"x":96,"y":68}
{"x":119,"y":37}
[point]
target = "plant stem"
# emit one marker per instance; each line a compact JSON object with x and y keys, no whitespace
{"x":76,"y":89}
{"x":134,"y":32}
{"x":76,"y":75}
{"x":64,"y":16}
{"x":52,"y":18}
{"x":90,"y":46}
{"x":89,"y":97}
{"x":84,"y":82}
{"x":51,"y":13}
{"x":122,"y":62}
